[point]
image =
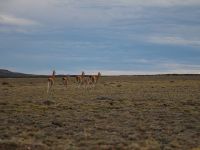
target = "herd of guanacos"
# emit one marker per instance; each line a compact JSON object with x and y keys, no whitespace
{"x":80,"y":79}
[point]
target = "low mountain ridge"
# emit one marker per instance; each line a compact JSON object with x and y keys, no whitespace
{"x":4,"y":73}
{"x":9,"y":74}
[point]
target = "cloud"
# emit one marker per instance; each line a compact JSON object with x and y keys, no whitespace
{"x":161,"y":2}
{"x":117,"y":3}
{"x":181,"y":66}
{"x":160,"y":67}
{"x":173,"y":40}
{"x":13,"y":24}
{"x":74,"y":10}
{"x":15,"y":21}
{"x":86,"y":13}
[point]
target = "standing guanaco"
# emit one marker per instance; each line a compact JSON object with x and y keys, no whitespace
{"x":51,"y":81}
{"x":94,"y":78}
{"x":65,"y":81}
{"x":80,"y":79}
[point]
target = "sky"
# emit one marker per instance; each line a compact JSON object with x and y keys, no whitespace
{"x":114,"y":37}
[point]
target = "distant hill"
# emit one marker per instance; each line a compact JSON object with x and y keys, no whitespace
{"x":9,"y":74}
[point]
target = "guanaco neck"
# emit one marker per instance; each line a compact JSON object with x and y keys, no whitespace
{"x":99,"y":74}
{"x":53,"y":75}
{"x":82,"y":75}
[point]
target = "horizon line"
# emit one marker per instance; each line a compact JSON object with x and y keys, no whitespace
{"x":105,"y":73}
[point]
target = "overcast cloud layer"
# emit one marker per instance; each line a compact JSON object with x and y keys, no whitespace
{"x":115,"y":36}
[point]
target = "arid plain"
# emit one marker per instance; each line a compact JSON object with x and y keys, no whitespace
{"x":121,"y":112}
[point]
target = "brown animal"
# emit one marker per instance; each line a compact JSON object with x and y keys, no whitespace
{"x":88,"y":82}
{"x":51,"y":81}
{"x":94,"y":78}
{"x":80,"y":79}
{"x":65,"y":81}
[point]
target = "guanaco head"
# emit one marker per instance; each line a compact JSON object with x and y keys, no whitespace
{"x":54,"y":73}
{"x":83,"y":73}
{"x":99,"y":74}
{"x":65,"y":78}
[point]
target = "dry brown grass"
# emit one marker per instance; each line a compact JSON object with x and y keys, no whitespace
{"x":147,"y":112}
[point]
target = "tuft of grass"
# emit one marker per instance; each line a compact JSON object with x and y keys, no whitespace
{"x":119,"y":85}
{"x":5,"y":83}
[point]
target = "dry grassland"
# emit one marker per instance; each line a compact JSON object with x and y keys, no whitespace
{"x":127,"y":112}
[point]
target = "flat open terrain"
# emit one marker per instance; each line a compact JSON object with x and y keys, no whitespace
{"x":127,"y":112}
